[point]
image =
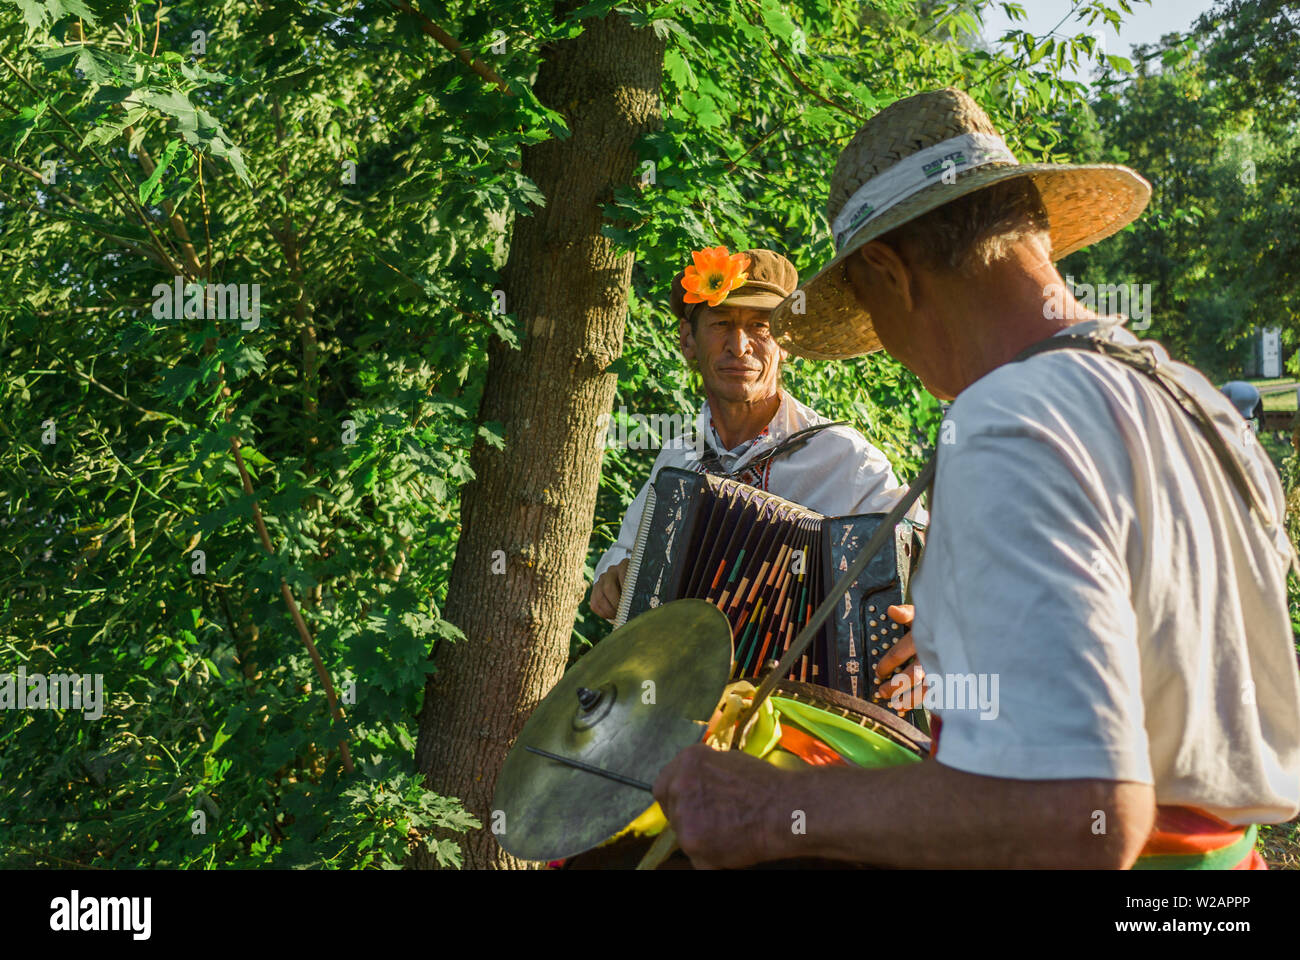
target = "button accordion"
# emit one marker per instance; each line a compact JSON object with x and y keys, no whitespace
{"x":768,"y":563}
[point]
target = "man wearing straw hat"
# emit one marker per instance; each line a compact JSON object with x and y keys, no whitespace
{"x":1106,"y":541}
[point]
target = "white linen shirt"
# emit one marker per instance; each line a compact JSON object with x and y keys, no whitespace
{"x":836,"y":473}
{"x":1088,"y":550}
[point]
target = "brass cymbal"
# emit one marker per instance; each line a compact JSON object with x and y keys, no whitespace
{"x":628,"y":706}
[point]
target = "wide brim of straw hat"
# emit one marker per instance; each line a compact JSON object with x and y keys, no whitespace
{"x":1084,"y":203}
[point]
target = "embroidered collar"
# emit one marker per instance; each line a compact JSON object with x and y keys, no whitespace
{"x":740,"y":449}
{"x":733,"y":459}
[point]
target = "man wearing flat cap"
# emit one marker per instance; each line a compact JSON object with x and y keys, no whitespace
{"x":1105,"y":540}
{"x":753,"y":430}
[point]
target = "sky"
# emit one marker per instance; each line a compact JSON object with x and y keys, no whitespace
{"x":1144,"y":25}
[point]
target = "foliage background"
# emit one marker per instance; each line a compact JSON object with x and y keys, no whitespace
{"x":377,"y":309}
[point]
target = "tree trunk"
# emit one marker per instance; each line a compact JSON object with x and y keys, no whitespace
{"x":535,"y":499}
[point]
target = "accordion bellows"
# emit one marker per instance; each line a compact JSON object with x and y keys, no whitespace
{"x":768,"y":563}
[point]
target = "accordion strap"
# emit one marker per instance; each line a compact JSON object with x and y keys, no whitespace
{"x":884,"y":534}
{"x":713,"y":464}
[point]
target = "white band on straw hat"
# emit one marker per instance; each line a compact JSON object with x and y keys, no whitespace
{"x":912,"y":174}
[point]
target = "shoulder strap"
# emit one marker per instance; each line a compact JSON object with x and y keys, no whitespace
{"x":1143,"y":360}
{"x":794,"y":442}
{"x":788,"y":445}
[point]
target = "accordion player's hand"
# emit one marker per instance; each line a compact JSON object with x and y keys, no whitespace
{"x":900,"y":674}
{"x":608,"y":590}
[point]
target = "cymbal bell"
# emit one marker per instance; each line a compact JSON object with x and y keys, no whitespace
{"x":628,"y":707}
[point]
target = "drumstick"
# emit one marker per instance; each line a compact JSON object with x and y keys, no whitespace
{"x":659,"y":851}
{"x":591,"y":768}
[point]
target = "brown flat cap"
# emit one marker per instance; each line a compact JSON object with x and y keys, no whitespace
{"x":771,"y":278}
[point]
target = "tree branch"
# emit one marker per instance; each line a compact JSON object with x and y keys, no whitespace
{"x":757,"y":21}
{"x":731,"y":167}
{"x":298,"y":621}
{"x":146,"y":221}
{"x":46,"y":187}
{"x":207,"y":229}
{"x":149,"y":414}
{"x":454,"y":45}
{"x":177,"y":224}
{"x":124,"y":244}
{"x":289,"y":243}
{"x":50,"y":856}
{"x":993,"y":72}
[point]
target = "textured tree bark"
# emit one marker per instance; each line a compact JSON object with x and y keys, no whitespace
{"x":535,"y":499}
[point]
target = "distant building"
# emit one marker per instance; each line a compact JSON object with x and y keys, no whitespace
{"x":1268,"y":353}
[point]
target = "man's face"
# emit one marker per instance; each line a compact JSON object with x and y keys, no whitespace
{"x":737,"y":356}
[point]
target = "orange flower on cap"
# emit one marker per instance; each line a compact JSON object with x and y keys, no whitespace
{"x":714,"y":275}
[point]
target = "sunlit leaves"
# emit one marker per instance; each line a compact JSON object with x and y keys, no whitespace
{"x":38,"y":13}
{"x":394,"y":357}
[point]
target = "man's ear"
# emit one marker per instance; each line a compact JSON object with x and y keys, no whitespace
{"x":886,"y":269}
{"x":686,"y":339}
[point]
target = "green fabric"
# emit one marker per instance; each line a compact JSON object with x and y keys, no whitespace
{"x":1225,"y":858}
{"x":856,"y":744}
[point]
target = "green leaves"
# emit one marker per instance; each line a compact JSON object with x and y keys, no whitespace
{"x":137,"y":84}
{"x":380,"y":815}
{"x":776,"y":20}
{"x":493,"y":434}
{"x":621,"y":367}
{"x":152,"y":185}
{"x":197,"y":127}
{"x":244,"y":359}
{"x":679,"y":69}
{"x":39,"y":13}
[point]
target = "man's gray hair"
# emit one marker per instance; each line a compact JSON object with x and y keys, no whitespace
{"x":974,"y":230}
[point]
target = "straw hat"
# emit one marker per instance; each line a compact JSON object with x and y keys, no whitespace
{"x":912,"y":157}
{"x":770,"y":279}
